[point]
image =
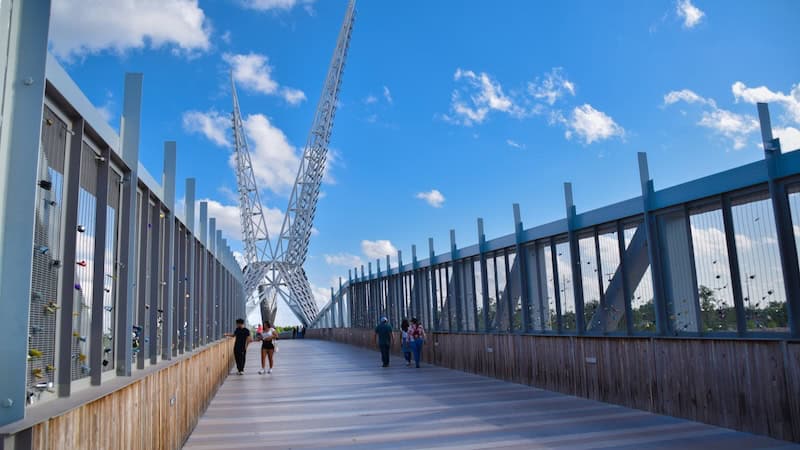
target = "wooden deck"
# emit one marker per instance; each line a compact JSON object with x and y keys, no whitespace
{"x":335,"y":396}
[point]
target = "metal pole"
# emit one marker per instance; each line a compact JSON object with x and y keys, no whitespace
{"x":168,"y":183}
{"x":191,"y":270}
{"x":575,"y":259}
{"x":21,"y":103}
{"x":783,"y":220}
{"x":126,"y":300}
{"x":523,"y":270}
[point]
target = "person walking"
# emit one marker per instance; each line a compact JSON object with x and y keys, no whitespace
{"x":384,"y":338}
{"x":268,"y":338}
{"x":405,"y":342}
{"x":242,"y":340}
{"x":294,"y":332}
{"x":417,"y":333}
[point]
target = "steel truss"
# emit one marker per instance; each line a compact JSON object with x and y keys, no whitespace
{"x":278,"y":271}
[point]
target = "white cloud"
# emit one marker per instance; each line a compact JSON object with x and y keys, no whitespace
{"x":552,"y":87}
{"x":211,"y":124}
{"x":239,"y":257}
{"x":789,"y":136}
{"x":736,"y":127}
{"x":514,"y":144}
{"x":688,"y":96}
{"x":229,"y":220}
{"x":378,"y":249}
{"x":344,"y":259}
{"x":226,"y":37}
{"x":267,"y":5}
{"x":762,"y":94}
{"x":321,"y":295}
{"x":370,"y":99}
{"x":387,"y":94}
{"x":293,"y":96}
{"x":275,"y":160}
{"x":253,"y":72}
{"x":83,"y":27}
{"x":690,"y":14}
{"x":483,"y":95}
{"x":434,"y":198}
{"x":729,"y":124}
{"x":592,"y":125}
{"x":227,"y":217}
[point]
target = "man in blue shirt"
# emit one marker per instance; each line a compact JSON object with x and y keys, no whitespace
{"x":384,"y":339}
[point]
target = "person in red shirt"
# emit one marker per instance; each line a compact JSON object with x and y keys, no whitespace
{"x":417,"y":333}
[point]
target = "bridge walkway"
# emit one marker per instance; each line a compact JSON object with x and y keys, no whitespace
{"x":335,"y":396}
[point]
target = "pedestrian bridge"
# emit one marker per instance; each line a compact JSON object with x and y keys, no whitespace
{"x":649,"y":322}
{"x":326,"y":395}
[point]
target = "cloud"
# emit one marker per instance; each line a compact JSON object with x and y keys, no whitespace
{"x":552,"y":87}
{"x":253,"y":72}
{"x":378,"y":249}
{"x":434,"y":198}
{"x":514,"y":144}
{"x":211,"y":124}
{"x":763,"y":94}
{"x":789,"y":136}
{"x":269,"y":5}
{"x":293,"y":96}
{"x":690,"y":14}
{"x":592,"y":125}
{"x":344,"y":260}
{"x":688,"y":96}
{"x":734,"y":126}
{"x":229,"y":220}
{"x":83,"y":27}
{"x":483,"y":95}
{"x":226,"y":37}
{"x":387,"y":94}
{"x":370,"y":99}
{"x":275,"y":160}
{"x":729,"y":124}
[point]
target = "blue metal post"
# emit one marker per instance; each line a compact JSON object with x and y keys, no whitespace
{"x":126,"y":300}
{"x":21,"y":103}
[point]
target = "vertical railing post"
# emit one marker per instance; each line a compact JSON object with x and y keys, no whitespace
{"x":783,"y":221}
{"x":484,"y":275}
{"x":71,"y":194}
{"x":191,"y":271}
{"x":218,"y":325}
{"x":202,"y":260}
{"x":522,"y":262}
{"x":96,"y":353}
{"x":434,"y":292}
{"x":155,"y":281}
{"x":652,"y":245}
{"x":21,"y":98}
{"x":211,"y":295}
{"x":575,"y":259}
{"x":168,"y":184}
{"x":126,"y":301}
{"x":454,"y":291}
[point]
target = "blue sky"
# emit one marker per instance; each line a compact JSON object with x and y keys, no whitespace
{"x":449,"y":110}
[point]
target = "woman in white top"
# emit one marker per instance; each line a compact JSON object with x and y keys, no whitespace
{"x":268,"y":336}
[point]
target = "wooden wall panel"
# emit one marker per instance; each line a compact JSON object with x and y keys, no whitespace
{"x":748,"y":385}
{"x":158,"y":411}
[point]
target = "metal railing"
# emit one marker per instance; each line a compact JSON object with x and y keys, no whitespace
{"x":717,"y":256}
{"x":100,"y":276}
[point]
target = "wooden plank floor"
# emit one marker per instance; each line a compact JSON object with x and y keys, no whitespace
{"x":334,"y":396}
